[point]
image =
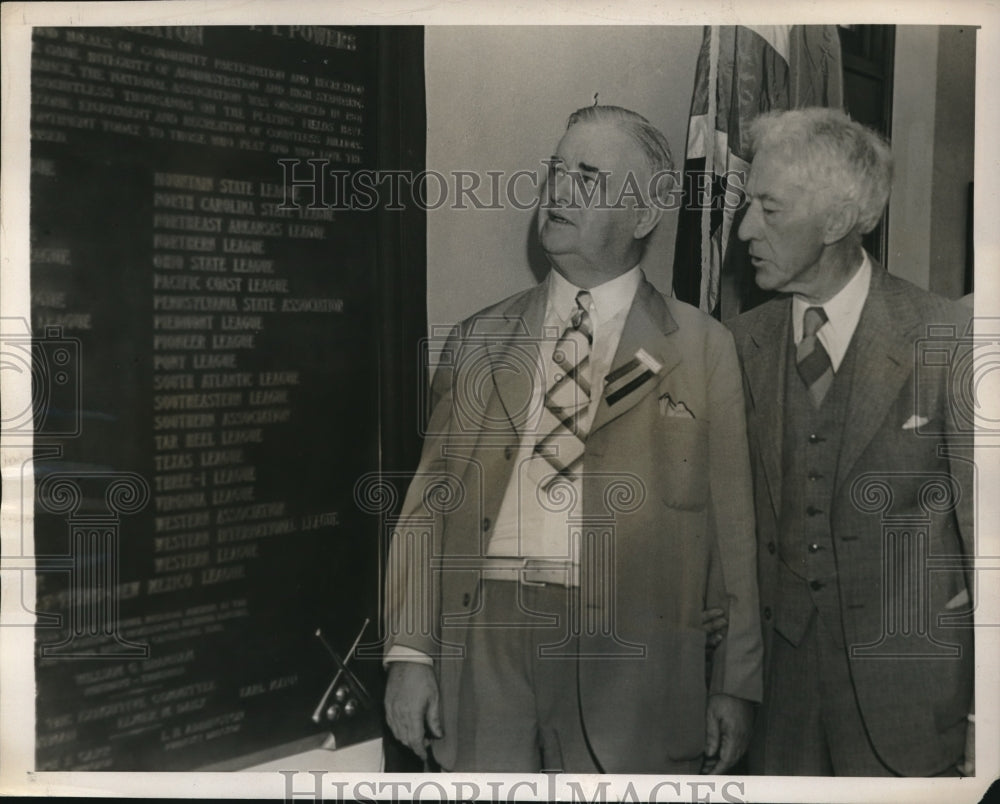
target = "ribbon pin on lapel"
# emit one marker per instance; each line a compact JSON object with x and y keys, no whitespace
{"x":630,"y":376}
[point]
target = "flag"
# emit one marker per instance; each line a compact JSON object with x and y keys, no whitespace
{"x":749,"y":70}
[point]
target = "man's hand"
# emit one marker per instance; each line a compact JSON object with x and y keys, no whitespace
{"x":727,"y":735}
{"x":715,"y":624}
{"x":968,"y":766}
{"x":411,"y":700}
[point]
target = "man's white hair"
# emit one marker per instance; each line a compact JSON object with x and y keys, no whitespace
{"x":839,"y":157}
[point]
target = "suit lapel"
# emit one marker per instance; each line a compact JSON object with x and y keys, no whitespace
{"x":647,"y":327}
{"x":512,"y":346}
{"x":764,"y":365}
{"x":883,"y":358}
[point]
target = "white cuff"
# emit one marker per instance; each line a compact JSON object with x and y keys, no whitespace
{"x":401,"y":653}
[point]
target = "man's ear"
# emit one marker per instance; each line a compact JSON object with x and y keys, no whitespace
{"x":841,"y":219}
{"x":647,"y":218}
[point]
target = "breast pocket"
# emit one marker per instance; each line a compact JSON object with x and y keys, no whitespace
{"x":682,"y":463}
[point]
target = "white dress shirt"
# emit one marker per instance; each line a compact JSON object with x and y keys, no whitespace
{"x":842,"y":313}
{"x":524,"y":527}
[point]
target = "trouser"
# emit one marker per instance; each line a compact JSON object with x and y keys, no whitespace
{"x":519,"y":711}
{"x":809,"y":723}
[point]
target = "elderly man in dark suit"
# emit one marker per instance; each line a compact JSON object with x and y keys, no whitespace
{"x":860,"y":478}
{"x":583,"y":496}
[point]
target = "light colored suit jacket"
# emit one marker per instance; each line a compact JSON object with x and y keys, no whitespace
{"x":678,"y":489}
{"x":904,"y":478}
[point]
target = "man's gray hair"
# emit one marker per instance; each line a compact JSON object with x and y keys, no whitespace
{"x":837,"y":155}
{"x":648,"y":137}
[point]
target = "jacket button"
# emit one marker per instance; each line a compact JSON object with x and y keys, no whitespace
{"x":814,"y":476}
{"x":772,"y":548}
{"x":508,"y":452}
{"x":816,"y":585}
{"x":486,"y":523}
{"x":767,"y":612}
{"x":815,"y":439}
{"x":812,"y":510}
{"x":466,"y":599}
{"x":813,"y":547}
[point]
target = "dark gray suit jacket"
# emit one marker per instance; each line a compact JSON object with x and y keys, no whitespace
{"x":904,"y":477}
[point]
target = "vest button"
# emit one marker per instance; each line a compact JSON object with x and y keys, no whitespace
{"x":813,"y":547}
{"x":466,"y":599}
{"x":772,"y":548}
{"x":508,"y":452}
{"x":813,"y":475}
{"x":767,"y":612}
{"x":815,"y":439}
{"x":486,"y":523}
{"x":816,"y":585}
{"x":812,"y":510}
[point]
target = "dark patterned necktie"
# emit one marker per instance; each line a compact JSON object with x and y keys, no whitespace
{"x":811,"y":358}
{"x":567,"y":400}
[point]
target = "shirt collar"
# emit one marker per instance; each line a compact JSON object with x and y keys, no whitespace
{"x":842,"y":312}
{"x":609,"y":298}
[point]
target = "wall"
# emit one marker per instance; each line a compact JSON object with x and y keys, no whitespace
{"x":498,"y":99}
{"x":932,"y":140}
{"x":954,"y":129}
{"x":913,"y":108}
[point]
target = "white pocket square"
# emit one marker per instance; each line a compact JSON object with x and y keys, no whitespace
{"x":914,"y":422}
{"x":670,"y":408}
{"x":960,"y":600}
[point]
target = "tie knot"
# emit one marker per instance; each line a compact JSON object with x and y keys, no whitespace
{"x":581,"y":315}
{"x":813,"y":319}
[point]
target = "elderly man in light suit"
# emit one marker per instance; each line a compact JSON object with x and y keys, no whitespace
{"x":860,"y":477}
{"x":585,"y":494}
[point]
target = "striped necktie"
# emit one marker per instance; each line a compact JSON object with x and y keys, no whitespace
{"x":811,"y":358}
{"x":567,"y":401}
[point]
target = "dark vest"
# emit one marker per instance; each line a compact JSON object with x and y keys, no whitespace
{"x":810,"y":449}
